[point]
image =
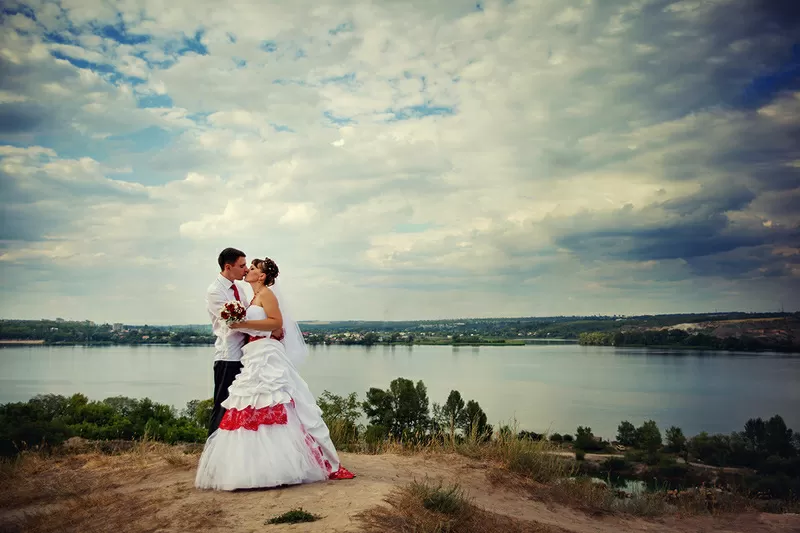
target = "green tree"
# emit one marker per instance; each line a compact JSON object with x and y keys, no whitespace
{"x":379,"y":407}
{"x":335,"y":407}
{"x":648,"y":436}
{"x":402,"y":409}
{"x":676,"y":441}
{"x":475,"y":421}
{"x":411,"y":405}
{"x":755,"y":433}
{"x":584,"y":439}
{"x":778,"y":438}
{"x":453,"y":413}
{"x":122,"y":405}
{"x":199,"y":412}
{"x":626,"y":434}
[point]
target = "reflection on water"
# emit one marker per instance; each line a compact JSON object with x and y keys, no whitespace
{"x":543,"y":386}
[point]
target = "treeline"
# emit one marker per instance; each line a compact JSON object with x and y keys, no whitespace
{"x":403,"y":413}
{"x":590,"y":330}
{"x":769,"y":450}
{"x":681,"y":338}
{"x":566,"y":327}
{"x":62,"y":332}
{"x":50,"y":419}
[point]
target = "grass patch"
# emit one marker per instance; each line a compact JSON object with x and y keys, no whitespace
{"x":295,"y":516}
{"x":533,"y":459}
{"x":448,"y":501}
{"x":425,"y":507}
{"x":95,"y":513}
{"x":597,"y":498}
{"x":344,"y":434}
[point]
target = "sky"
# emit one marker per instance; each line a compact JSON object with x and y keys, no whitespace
{"x":400,"y":160}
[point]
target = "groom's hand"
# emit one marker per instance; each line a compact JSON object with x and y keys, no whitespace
{"x":278,"y":335}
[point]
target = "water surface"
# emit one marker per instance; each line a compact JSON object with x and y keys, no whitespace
{"x":550,"y":386}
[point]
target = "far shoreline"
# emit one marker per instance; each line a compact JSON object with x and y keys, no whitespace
{"x":508,"y":343}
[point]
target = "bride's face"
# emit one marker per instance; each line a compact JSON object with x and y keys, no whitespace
{"x":254,"y":274}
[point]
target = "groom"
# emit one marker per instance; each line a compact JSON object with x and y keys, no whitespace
{"x":228,"y":347}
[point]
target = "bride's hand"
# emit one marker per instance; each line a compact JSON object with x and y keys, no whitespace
{"x":239,"y":325}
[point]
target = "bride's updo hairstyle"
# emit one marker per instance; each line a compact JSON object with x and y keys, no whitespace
{"x":269,"y":268}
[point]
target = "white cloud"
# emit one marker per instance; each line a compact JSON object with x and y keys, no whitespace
{"x":419,"y":160}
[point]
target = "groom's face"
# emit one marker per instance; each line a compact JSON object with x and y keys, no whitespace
{"x":239,"y":268}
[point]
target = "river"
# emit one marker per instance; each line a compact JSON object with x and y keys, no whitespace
{"x":543,"y":387}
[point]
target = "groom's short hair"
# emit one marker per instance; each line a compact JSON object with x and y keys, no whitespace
{"x":229,"y":256}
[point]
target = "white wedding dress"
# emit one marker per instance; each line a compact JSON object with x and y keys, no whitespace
{"x":272,"y":432}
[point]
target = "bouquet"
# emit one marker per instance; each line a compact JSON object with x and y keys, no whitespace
{"x":233,"y":312}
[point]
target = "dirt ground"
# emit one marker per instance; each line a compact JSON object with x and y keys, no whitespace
{"x":164,"y":484}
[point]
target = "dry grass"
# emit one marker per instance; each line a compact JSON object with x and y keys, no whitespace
{"x":598,"y":499}
{"x":423,"y":507}
{"x":198,"y":515}
{"x":535,"y":460}
{"x":34,"y":478}
{"x":76,"y":490}
{"x":94,"y":513}
{"x":344,"y":435}
{"x":178,"y":458}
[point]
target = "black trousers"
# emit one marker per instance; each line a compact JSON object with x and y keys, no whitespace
{"x":224,"y":374}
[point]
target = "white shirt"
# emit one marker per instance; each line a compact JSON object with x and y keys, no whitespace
{"x":229,"y":342}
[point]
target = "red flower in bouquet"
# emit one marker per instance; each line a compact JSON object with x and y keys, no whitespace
{"x":232,"y":312}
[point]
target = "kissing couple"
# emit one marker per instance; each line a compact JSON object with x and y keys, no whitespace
{"x":266,"y":428}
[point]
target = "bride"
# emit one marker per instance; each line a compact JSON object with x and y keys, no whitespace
{"x":272,"y":432}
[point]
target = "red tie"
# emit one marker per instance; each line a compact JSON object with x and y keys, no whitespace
{"x":235,"y":291}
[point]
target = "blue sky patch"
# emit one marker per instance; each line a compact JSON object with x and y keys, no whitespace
{"x":60,"y":38}
{"x":119,"y":33}
{"x":194,"y":44}
{"x":339,"y":121}
{"x":144,"y":140}
{"x":764,"y":88}
{"x":348,"y":78}
{"x":420,"y":111}
{"x":154,"y":100}
{"x":82,"y":63}
{"x":344,"y":27}
{"x":20,"y":9}
{"x":281,"y":128}
{"x":269,"y":46}
{"x":282,"y":81}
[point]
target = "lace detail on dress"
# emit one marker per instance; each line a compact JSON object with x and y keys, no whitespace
{"x":249,"y":418}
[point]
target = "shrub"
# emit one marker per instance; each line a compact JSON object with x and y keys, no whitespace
{"x":648,"y":436}
{"x":586,"y":441}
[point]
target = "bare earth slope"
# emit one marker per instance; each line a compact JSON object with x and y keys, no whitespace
{"x":159,"y":485}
